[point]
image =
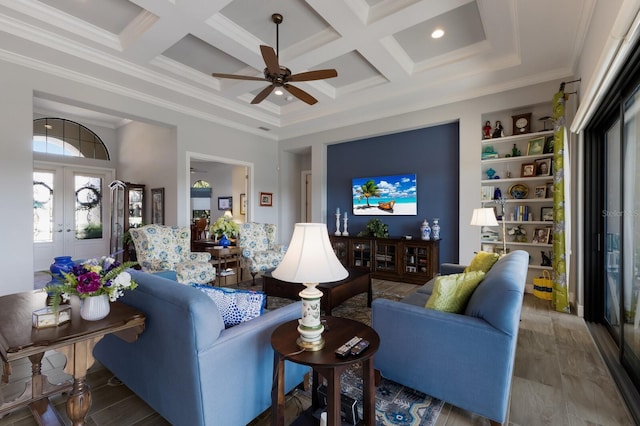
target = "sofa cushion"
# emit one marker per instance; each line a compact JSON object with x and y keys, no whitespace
{"x":235,"y":306}
{"x":452,"y":292}
{"x":503,"y":286}
{"x":482,"y":261}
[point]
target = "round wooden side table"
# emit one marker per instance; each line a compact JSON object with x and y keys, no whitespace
{"x":324,"y":362}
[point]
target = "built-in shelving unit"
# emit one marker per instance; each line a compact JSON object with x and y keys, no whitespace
{"x":536,"y":200}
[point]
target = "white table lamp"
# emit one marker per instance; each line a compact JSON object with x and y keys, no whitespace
{"x":310,"y":260}
{"x":486,"y":217}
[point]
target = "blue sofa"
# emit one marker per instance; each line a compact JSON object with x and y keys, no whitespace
{"x":466,"y":360}
{"x":187,"y":366}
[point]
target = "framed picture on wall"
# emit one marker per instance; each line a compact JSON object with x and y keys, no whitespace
{"x":266,"y":199}
{"x":157,"y":206}
{"x":243,"y":203}
{"x":225,"y":203}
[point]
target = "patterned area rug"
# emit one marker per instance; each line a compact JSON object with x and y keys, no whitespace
{"x":396,"y":405}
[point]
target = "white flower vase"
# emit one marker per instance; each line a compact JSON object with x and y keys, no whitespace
{"x":94,"y":308}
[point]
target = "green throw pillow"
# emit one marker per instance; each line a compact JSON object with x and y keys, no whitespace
{"x":482,"y":261}
{"x":452,"y":292}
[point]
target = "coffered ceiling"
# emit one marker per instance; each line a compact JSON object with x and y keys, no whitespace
{"x":164,"y":51}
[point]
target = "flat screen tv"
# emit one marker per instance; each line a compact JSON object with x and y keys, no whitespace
{"x":385,"y":195}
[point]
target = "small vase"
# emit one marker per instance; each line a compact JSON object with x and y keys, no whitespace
{"x":94,"y":308}
{"x":224,"y":241}
{"x":435,"y":229}
{"x":425,"y":231}
{"x":60,"y":264}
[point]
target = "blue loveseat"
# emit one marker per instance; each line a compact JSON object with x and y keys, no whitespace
{"x":187,"y":366}
{"x":464,"y":359}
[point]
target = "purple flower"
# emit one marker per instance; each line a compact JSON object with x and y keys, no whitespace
{"x":88,"y":283}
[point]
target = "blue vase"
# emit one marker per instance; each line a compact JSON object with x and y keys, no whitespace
{"x":60,"y":264}
{"x":224,"y":241}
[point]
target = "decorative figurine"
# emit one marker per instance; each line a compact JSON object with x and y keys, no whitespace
{"x":498,"y":131}
{"x":486,"y":130}
{"x":436,"y":228}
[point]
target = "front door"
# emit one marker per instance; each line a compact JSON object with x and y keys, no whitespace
{"x":70,"y":212}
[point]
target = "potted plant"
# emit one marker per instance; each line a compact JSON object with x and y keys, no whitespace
{"x":224,"y":225}
{"x":375,"y":228}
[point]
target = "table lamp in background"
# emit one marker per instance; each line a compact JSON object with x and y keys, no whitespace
{"x":486,"y":217}
{"x":310,"y":260}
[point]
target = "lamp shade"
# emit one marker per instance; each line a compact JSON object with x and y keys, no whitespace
{"x":310,"y":257}
{"x":484,"y":217}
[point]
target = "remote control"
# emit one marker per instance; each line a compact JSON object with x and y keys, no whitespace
{"x":345,"y":349}
{"x":359,"y":347}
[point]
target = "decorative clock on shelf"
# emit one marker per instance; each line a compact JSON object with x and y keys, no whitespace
{"x":521,"y":123}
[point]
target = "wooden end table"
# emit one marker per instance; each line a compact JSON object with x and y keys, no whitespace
{"x":223,"y":257}
{"x":324,"y":362}
{"x":358,"y":281}
{"x":75,"y":339}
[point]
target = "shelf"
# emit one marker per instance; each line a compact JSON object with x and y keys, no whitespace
{"x":514,"y":243}
{"x":520,"y":201}
{"x":516,"y":138}
{"x":523,"y":222}
{"x":547,"y":268}
{"x":518,"y":179}
{"x":519,"y":158}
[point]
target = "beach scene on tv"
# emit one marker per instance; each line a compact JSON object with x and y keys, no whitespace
{"x":385,"y":195}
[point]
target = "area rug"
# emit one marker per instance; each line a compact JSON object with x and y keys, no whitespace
{"x":396,"y":405}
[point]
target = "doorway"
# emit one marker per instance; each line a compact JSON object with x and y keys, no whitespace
{"x":70,"y":212}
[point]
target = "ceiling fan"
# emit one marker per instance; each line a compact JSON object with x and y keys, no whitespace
{"x":280,"y":76}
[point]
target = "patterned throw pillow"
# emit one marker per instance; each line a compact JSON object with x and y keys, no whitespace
{"x":482,"y":261}
{"x":452,"y":292}
{"x":235,"y":306}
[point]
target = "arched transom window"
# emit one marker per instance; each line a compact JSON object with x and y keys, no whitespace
{"x":67,"y":138}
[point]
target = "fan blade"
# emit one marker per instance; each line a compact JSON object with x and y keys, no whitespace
{"x":313,"y":75}
{"x":270,"y":59}
{"x":263,"y":94}
{"x":238,"y":77}
{"x":300,"y":94}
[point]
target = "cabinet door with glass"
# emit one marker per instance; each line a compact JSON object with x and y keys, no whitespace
{"x":135,"y":206}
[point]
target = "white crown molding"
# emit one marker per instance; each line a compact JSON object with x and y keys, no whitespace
{"x":77,"y":77}
{"x":179,"y":69}
{"x":137,"y":28}
{"x":63,"y":21}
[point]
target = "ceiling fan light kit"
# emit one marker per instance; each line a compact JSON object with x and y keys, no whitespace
{"x":280,"y":76}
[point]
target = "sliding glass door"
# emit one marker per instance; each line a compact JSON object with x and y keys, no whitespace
{"x":630,"y":222}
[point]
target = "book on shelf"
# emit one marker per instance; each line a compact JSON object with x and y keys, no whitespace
{"x":487,"y":193}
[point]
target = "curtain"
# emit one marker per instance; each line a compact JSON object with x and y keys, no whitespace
{"x":561,"y":208}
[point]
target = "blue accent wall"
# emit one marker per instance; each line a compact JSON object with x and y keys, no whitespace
{"x":431,"y":153}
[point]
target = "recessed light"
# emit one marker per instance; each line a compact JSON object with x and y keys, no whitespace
{"x":437,"y":33}
{"x":279,"y":92}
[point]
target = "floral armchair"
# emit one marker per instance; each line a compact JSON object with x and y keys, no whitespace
{"x":259,"y":249}
{"x":167,"y":248}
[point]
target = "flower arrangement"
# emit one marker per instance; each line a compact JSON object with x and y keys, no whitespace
{"x":518,"y":233}
{"x":224,"y":225}
{"x":93,"y":277}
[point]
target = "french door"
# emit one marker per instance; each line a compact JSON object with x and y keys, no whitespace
{"x":70,"y":212}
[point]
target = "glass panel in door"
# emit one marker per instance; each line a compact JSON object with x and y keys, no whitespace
{"x":631,"y":249}
{"x":612,"y":224}
{"x":68,"y":213}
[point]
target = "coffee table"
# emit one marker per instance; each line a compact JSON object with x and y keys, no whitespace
{"x":358,"y":281}
{"x":325,"y":363}
{"x":74,"y":339}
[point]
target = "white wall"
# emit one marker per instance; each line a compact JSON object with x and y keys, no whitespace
{"x":147,"y":155}
{"x":16,"y":182}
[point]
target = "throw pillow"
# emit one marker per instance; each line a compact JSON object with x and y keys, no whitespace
{"x":235,"y":306}
{"x":452,"y":292}
{"x":482,"y":261}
